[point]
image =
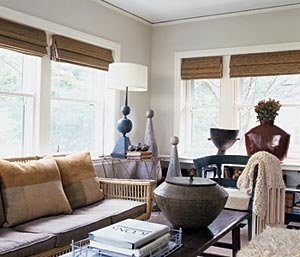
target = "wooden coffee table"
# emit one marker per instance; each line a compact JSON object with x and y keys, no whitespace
{"x":195,"y":242}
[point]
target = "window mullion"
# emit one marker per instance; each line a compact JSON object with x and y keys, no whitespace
{"x":189,"y":114}
{"x":15,"y":94}
{"x":42,"y":122}
{"x":227,"y":110}
{"x":28,"y":134}
{"x":74,"y":100}
{"x":186,"y":119}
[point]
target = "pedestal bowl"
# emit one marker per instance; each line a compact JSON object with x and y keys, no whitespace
{"x":223,"y":139}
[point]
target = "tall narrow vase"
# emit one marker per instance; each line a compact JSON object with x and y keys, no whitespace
{"x":268,"y":137}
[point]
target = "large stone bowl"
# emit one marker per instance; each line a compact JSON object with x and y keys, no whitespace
{"x":223,"y":139}
{"x":190,"y":204}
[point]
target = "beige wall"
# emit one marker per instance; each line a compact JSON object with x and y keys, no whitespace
{"x":95,"y":19}
{"x":156,"y":47}
{"x":238,"y":31}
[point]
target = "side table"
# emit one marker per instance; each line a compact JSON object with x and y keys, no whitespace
{"x":108,"y":167}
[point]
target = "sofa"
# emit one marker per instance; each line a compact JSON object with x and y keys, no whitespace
{"x":46,"y":202}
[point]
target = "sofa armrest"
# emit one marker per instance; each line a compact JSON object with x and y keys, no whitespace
{"x":130,"y":189}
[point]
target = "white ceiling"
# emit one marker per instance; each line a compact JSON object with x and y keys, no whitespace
{"x":160,"y":11}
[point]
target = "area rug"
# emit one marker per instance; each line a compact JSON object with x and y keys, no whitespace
{"x":277,"y":242}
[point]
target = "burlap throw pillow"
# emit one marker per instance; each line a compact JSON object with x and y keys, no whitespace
{"x":31,"y":190}
{"x":79,"y":179}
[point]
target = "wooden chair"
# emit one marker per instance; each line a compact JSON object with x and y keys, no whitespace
{"x":236,"y":200}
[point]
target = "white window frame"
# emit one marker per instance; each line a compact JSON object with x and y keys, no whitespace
{"x":186,"y":100}
{"x":41,"y":126}
{"x":27,"y":126}
{"x":30,"y":80}
{"x":98,"y":101}
{"x":229,"y":87}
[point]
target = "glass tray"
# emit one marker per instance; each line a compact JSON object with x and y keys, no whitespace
{"x":175,"y":242}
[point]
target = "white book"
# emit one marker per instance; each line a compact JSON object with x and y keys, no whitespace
{"x":129,"y":233}
{"x":152,"y":247}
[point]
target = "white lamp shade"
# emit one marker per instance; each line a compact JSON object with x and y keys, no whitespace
{"x":131,"y":75}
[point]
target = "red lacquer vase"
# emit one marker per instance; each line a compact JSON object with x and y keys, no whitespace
{"x":268,"y":137}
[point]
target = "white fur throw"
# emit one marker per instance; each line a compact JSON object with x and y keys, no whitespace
{"x":269,"y":195}
{"x":275,"y":242}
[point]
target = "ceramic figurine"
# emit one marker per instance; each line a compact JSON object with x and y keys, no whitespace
{"x":149,"y":138}
{"x":174,"y":165}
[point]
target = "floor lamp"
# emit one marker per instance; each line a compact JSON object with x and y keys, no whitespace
{"x":128,"y":77}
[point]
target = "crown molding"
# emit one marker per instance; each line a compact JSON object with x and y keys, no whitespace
{"x":124,"y":12}
{"x":227,"y":15}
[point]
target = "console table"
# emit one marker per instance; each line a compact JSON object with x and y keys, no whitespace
{"x":108,"y":167}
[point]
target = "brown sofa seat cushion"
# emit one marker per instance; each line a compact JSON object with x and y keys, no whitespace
{"x":79,"y":179}
{"x":31,"y":190}
{"x":118,"y":209}
{"x":83,"y":220}
{"x":20,"y":244}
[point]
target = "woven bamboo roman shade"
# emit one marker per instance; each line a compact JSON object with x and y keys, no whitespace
{"x":201,"y":68}
{"x":68,"y":50}
{"x":265,"y":64}
{"x":23,"y":39}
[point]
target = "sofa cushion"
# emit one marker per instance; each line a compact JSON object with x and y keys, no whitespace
{"x":83,"y":220}
{"x":31,"y":190}
{"x":118,"y":209}
{"x":79,"y":179}
{"x":21,"y":244}
{"x":66,"y":227}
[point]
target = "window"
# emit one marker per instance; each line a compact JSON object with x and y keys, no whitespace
{"x":76,"y":108}
{"x":19,"y":76}
{"x":200,"y":102}
{"x":286,"y":89}
{"x":61,"y":105}
{"x":229,"y":103}
{"x":202,"y":113}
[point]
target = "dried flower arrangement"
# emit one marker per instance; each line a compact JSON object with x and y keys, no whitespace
{"x":267,"y":109}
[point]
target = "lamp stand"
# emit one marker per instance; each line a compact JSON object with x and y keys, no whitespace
{"x":124,"y":126}
{"x":121,"y":147}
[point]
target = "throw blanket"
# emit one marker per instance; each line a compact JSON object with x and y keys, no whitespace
{"x":269,"y":195}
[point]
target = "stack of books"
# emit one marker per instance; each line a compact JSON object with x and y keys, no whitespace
{"x":138,"y":155}
{"x":296,"y":208}
{"x":131,"y":238}
{"x":293,"y":225}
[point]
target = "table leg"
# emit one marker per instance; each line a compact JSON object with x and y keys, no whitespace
{"x":236,"y":240}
